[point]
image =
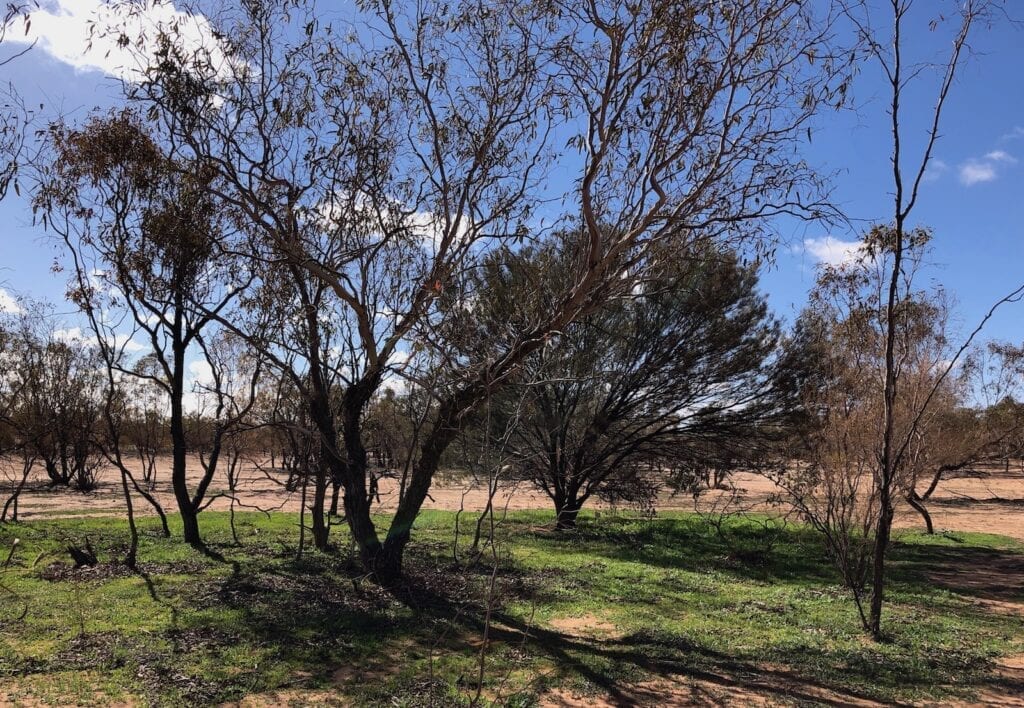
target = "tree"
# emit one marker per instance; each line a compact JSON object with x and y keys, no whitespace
{"x":147,"y":426}
{"x":657,"y":383}
{"x":225,"y":402}
{"x":18,"y":432}
{"x":53,"y":406}
{"x":147,"y":241}
{"x":384,"y":171}
{"x":837,"y":481}
{"x":62,"y":384}
{"x":893,"y":243}
{"x":982,"y":424}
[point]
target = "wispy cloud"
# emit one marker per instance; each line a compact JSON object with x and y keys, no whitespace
{"x":831,"y":250}
{"x":1015,"y":133}
{"x":985,"y":168}
{"x":935,"y":170}
{"x":1001,"y":156}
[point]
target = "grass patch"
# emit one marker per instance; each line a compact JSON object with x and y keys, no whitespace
{"x":621,"y":602}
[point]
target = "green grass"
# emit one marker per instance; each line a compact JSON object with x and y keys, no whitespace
{"x":749,"y":606}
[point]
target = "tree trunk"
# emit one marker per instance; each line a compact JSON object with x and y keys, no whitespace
{"x":882,"y":535}
{"x":12,"y":501}
{"x":190,"y":521}
{"x":361,"y":526}
{"x":566,"y":516}
{"x":302,"y":519}
{"x":335,"y":495}
{"x":179,"y":479}
{"x":918,"y":504}
{"x":567,"y":501}
{"x":133,"y":548}
{"x":321,"y":530}
{"x":385,"y":561}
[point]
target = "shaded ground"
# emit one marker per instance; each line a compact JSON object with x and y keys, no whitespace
{"x":623,"y":612}
{"x":991,"y":501}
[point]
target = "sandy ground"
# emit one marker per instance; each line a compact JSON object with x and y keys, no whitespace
{"x":992,"y":502}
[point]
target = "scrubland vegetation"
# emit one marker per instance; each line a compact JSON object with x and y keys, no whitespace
{"x":516,"y":245}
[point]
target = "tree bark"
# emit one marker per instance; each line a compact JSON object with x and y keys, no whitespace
{"x":321,"y":530}
{"x":190,"y":522}
{"x":882,"y":536}
{"x":918,"y":504}
{"x":133,"y":548}
{"x":335,"y":495}
{"x":179,"y":480}
{"x":566,"y":516}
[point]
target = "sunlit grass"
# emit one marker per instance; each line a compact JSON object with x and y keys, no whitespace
{"x":674,"y":597}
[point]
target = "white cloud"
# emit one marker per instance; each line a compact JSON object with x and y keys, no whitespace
{"x":8,"y":304}
{"x":973,"y":172}
{"x":62,"y":29}
{"x":129,"y":344}
{"x":431,"y":229}
{"x":197,"y":398}
{"x":986,"y":168}
{"x":395,"y":379}
{"x":344,"y":210}
{"x":832,"y":251}
{"x":70,"y":335}
{"x":201,"y":372}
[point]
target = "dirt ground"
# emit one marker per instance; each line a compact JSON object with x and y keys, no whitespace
{"x":990,"y":500}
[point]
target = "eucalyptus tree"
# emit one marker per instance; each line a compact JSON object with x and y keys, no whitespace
{"x":983,"y":425}
{"x":20,"y":376}
{"x":146,"y":427}
{"x":148,"y":244}
{"x":836,"y":481}
{"x":385,"y":159}
{"x":886,"y":48}
{"x":48,"y":399}
{"x":63,"y":401}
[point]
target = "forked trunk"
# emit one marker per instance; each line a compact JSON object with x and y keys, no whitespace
{"x":384,"y":560}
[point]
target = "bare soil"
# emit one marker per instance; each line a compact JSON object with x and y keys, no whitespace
{"x":989,"y":500}
{"x":587,"y":626}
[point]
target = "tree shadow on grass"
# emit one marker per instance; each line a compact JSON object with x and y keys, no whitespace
{"x":968,"y":570}
{"x":794,"y":554}
{"x":746,"y":550}
{"x":324,"y":614}
{"x":314,"y":616}
{"x":806,"y":673}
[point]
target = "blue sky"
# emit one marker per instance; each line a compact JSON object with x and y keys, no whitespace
{"x":973,"y":199}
